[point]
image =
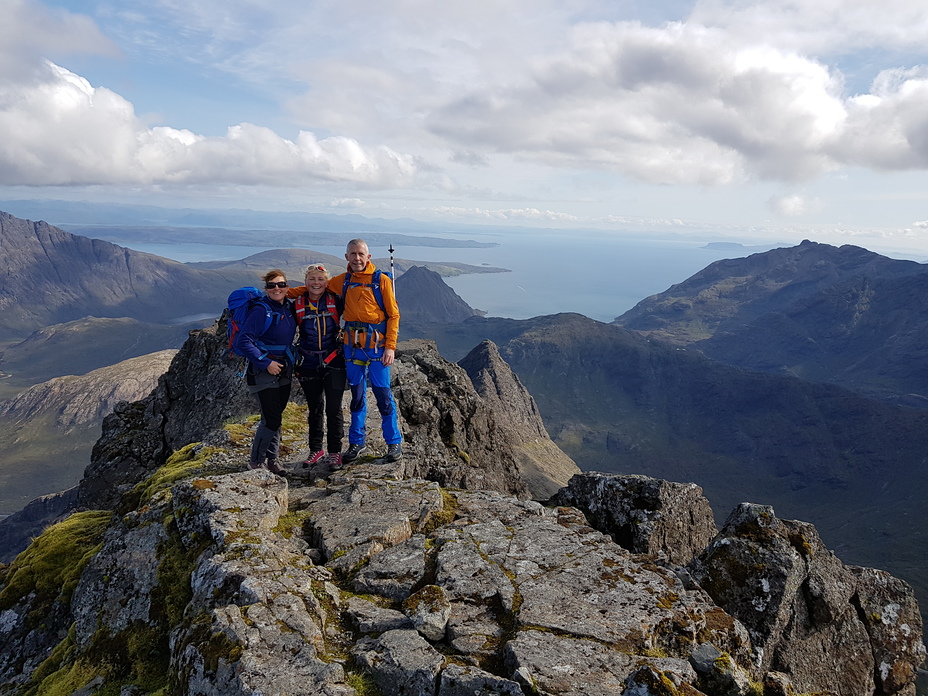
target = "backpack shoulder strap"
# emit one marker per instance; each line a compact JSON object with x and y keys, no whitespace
{"x":268,"y":312}
{"x":331,"y":306}
{"x":374,"y":285}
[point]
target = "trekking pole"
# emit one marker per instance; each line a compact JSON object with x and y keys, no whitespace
{"x":392,"y":271}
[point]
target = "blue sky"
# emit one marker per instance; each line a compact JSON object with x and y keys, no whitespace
{"x":766,"y":121}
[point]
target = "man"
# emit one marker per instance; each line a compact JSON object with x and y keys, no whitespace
{"x":372,"y":325}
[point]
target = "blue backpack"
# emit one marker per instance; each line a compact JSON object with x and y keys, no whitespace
{"x":238,"y":306}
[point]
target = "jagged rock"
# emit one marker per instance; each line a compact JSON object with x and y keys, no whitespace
{"x":369,"y":618}
{"x":888,"y":609}
{"x":797,"y":600}
{"x":371,"y":515}
{"x":200,"y":392}
{"x":542,"y":464}
{"x":458,"y":680}
{"x":262,"y":603}
{"x":429,"y":610}
{"x":644,"y":515}
{"x":117,"y":588}
{"x":778,"y":684}
{"x":451,"y":435}
{"x":718,"y":674}
{"x":401,"y":662}
{"x":649,"y":681}
{"x":395,"y":571}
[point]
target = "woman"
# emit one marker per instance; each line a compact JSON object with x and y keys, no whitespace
{"x":321,"y":364}
{"x":266,"y":340}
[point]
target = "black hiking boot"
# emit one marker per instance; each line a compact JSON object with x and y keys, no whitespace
{"x":394,"y":452}
{"x":353,"y":452}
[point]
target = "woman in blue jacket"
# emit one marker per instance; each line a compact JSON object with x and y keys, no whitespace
{"x":321,"y":365}
{"x":266,"y":340}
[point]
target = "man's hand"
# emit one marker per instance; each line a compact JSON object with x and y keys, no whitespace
{"x":388,"y":356}
{"x":275,"y":367}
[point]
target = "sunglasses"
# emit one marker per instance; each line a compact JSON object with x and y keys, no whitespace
{"x":278,"y":284}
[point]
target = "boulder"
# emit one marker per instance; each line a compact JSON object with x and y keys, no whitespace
{"x":800,"y":605}
{"x":643,"y":514}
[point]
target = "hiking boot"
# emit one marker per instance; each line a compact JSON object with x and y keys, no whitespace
{"x":255,"y":465}
{"x":275,"y":468}
{"x":335,"y":461}
{"x":353,"y":452}
{"x":313,"y":458}
{"x":394,"y":452}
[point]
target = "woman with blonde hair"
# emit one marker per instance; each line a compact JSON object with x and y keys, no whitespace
{"x":321,"y":365}
{"x":266,"y":340}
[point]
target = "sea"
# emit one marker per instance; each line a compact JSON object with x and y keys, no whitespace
{"x":589,"y":273}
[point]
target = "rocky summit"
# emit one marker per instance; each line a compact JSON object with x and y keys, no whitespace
{"x":436,"y":575}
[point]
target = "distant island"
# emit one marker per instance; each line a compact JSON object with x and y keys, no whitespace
{"x":737,"y":246}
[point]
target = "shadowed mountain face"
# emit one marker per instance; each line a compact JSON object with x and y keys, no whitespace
{"x":426,"y":298}
{"x":51,"y":276}
{"x":841,"y":315}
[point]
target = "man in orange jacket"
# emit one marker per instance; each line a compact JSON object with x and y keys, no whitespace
{"x":372,"y":325}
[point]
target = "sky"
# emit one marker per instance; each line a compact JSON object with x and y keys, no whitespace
{"x":766,"y":121}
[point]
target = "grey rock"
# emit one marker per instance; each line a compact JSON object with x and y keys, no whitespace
{"x":265,"y":603}
{"x":116,"y":588}
{"x":718,"y":674}
{"x":402,"y":663}
{"x":795,"y":598}
{"x":371,"y":515}
{"x":778,"y":684}
{"x":474,"y":629}
{"x":558,"y":665}
{"x":429,"y":610}
{"x":395,"y":571}
{"x":649,"y":680}
{"x":200,"y":392}
{"x":370,"y":618}
{"x":644,"y":515}
{"x":458,"y":680}
{"x":889,"y":611}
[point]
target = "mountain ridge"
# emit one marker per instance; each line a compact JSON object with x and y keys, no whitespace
{"x":842,"y":315}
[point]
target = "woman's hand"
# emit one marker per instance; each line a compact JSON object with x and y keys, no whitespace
{"x":275,"y":367}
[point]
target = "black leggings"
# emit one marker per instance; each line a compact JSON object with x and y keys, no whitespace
{"x":273,"y":401}
{"x":324,"y":390}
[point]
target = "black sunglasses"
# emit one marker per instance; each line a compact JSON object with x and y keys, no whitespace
{"x":278,"y":284}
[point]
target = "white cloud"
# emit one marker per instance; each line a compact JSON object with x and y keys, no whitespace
{"x":71,"y":133}
{"x":888,"y":128}
{"x":667,"y":105}
{"x":347,"y":203}
{"x":792,"y":205}
{"x":820,"y":26}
